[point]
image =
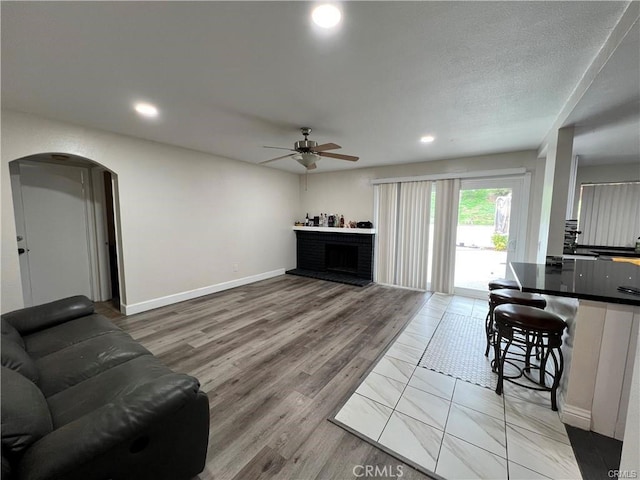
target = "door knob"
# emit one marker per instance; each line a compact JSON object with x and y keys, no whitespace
{"x":21,"y":251}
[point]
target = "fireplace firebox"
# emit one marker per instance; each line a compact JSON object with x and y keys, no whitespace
{"x":341,"y":258}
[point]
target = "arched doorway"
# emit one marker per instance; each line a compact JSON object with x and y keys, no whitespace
{"x":66,"y":225}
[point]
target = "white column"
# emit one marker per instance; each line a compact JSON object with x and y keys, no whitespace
{"x":557,"y":179}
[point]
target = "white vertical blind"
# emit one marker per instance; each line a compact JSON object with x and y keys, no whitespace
{"x":386,"y":225}
{"x":402,"y":223}
{"x":444,"y":241}
{"x":413,"y":234}
{"x":610,"y":214}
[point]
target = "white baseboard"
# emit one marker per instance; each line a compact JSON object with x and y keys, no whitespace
{"x":576,"y":417}
{"x":198,"y":292}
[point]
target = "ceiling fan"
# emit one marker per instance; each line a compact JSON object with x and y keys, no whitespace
{"x":307,"y":152}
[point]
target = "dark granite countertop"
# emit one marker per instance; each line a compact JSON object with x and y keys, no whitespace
{"x":596,"y":280}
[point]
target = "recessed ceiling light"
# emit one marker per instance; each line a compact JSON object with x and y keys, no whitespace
{"x":326,"y":16}
{"x":427,"y":139}
{"x":146,"y":109}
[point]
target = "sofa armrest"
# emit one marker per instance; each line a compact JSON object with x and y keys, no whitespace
{"x":94,"y":443}
{"x":32,"y":319}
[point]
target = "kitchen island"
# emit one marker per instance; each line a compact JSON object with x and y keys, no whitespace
{"x":600,"y":345}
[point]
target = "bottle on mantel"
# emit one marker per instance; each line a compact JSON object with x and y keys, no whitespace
{"x":341,"y":221}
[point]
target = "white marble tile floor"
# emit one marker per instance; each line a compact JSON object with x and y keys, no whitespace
{"x":454,"y":428}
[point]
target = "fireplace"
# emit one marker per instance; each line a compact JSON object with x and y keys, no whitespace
{"x":335,"y":256}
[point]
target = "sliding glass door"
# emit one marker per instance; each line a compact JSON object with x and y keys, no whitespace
{"x":490,"y":233}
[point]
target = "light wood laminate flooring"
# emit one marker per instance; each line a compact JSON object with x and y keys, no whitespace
{"x":276,"y":359}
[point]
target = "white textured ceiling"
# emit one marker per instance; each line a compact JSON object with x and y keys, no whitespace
{"x":230,"y":77}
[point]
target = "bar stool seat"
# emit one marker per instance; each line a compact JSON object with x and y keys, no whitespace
{"x":525,"y":328}
{"x":531,"y":318}
{"x":499,"y":283}
{"x":508,"y":296}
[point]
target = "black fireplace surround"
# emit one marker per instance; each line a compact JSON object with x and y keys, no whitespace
{"x":339,"y":257}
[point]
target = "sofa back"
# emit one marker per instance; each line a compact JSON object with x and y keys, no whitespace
{"x":31,"y":319}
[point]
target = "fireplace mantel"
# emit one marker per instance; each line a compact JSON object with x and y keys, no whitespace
{"x":362,"y":231}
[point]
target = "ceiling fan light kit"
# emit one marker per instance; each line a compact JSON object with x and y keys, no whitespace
{"x":307,"y":159}
{"x":308,"y":152}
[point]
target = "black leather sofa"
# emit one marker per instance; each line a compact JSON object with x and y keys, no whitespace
{"x":82,"y":400}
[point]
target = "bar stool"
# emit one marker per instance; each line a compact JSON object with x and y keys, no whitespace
{"x":500,"y":283}
{"x":506,"y":295}
{"x":497,"y":284}
{"x":518,"y":325}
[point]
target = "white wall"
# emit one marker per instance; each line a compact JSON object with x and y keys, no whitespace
{"x":350,"y":192}
{"x":186,"y":217}
{"x":627,"y":172}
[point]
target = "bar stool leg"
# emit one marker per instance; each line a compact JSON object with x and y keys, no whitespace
{"x":558,"y":364}
{"x":498,"y":365}
{"x":497,"y":339}
{"x":500,"y":359}
{"x":544,"y":357}
{"x":527,"y":354}
{"x":488,"y":329}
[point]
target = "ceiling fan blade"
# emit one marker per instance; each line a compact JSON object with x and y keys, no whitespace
{"x":339,"y":156}
{"x":313,"y":166}
{"x":325,"y":146}
{"x":277,"y":158}
{"x":279,"y":148}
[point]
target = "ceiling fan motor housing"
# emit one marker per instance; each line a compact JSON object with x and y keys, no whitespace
{"x":305,"y":145}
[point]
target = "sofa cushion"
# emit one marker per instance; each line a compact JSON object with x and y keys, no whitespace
{"x":9,"y":331}
{"x":66,"y":334}
{"x":80,"y":361}
{"x":15,"y":358}
{"x":102,"y":389}
{"x":25,"y":416}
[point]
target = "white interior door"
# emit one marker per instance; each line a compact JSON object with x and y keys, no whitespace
{"x":56,"y":227}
